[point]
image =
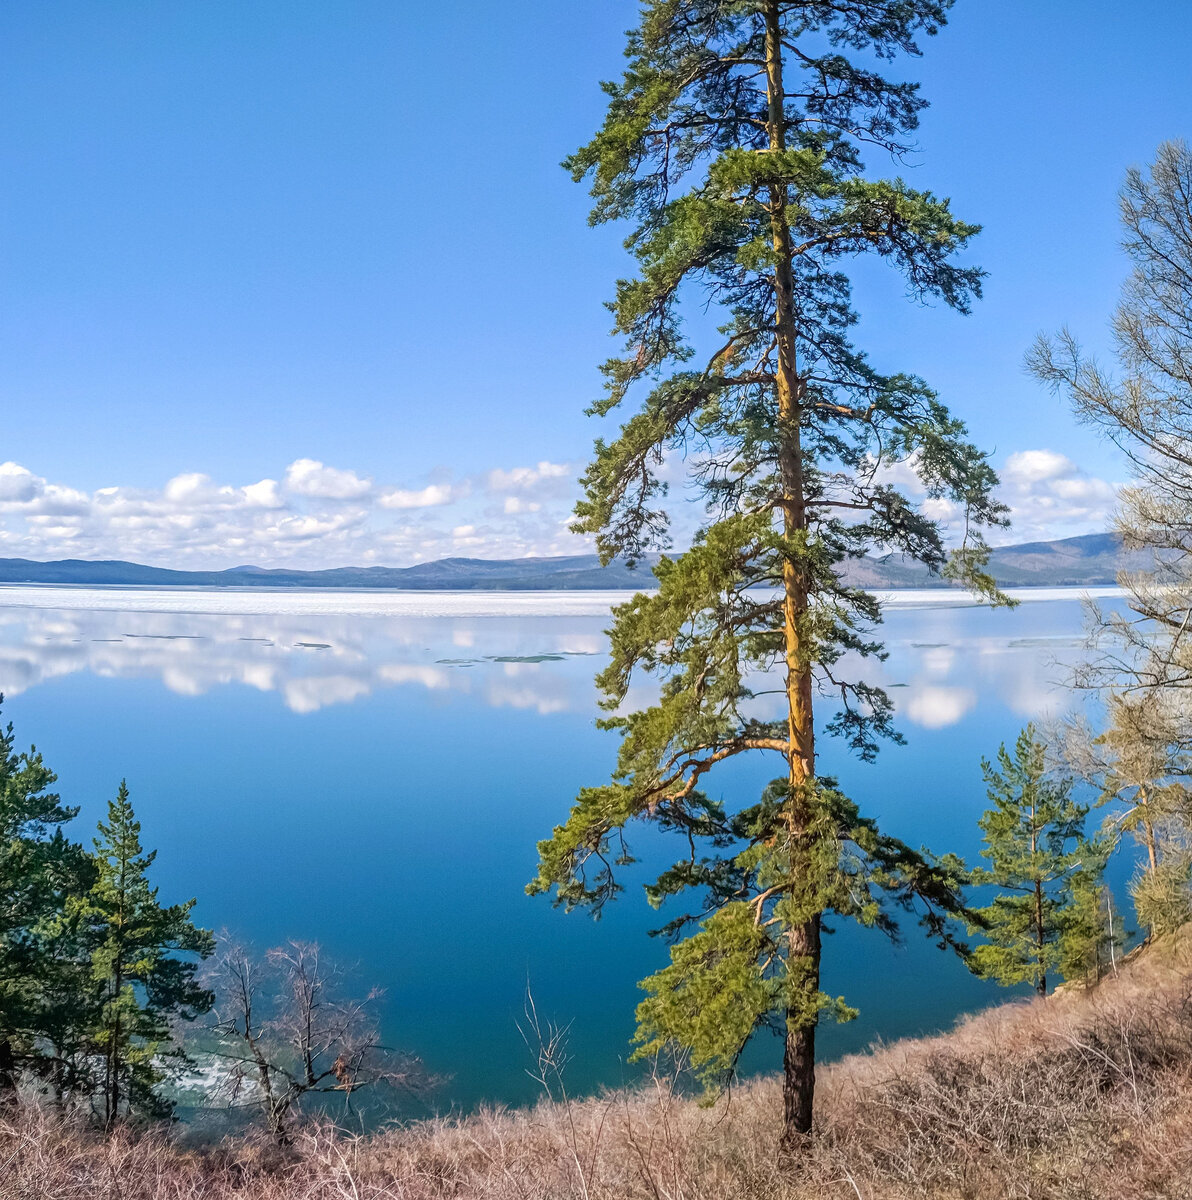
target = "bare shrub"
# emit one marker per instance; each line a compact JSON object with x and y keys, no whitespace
{"x":287,"y":1034}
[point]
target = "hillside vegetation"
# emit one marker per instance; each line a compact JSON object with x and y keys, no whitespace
{"x":1083,"y":1095}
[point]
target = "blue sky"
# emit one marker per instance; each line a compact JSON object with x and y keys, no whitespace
{"x":302,"y":282}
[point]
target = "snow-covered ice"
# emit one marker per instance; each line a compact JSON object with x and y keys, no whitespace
{"x":378,"y":603}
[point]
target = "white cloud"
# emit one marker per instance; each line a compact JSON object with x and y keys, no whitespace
{"x":22,"y":491}
{"x":431,"y":496}
{"x":522,"y":479}
{"x":17,"y":484}
{"x":309,"y":477}
{"x":1051,"y":496}
{"x":1048,"y":494}
{"x":64,"y":532}
{"x":321,"y":516}
{"x":311,"y":525}
{"x":1033,"y":466}
{"x":466,"y":537}
{"x":515,"y":504}
{"x":265,"y":494}
{"x":317,"y":516}
{"x":183,"y":488}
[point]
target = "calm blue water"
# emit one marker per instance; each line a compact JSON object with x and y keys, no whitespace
{"x":363,"y":771}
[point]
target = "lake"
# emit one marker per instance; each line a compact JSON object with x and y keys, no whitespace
{"x":371,"y":771}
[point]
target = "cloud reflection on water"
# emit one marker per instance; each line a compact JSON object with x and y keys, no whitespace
{"x":315,"y":660}
{"x":311,"y":662}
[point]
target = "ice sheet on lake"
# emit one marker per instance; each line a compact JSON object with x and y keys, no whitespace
{"x":955,"y":598}
{"x":334,"y":602}
{"x":312,"y":602}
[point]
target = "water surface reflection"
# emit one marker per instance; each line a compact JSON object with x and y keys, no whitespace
{"x":943,"y":657}
{"x":372,"y":772}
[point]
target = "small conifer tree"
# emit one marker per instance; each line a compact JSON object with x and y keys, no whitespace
{"x":1044,"y":867}
{"x":1091,"y":933}
{"x":67,"y":1062}
{"x":138,"y":967}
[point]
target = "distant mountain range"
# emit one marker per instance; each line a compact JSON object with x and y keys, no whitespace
{"x":1077,"y":562}
{"x":1089,"y":561}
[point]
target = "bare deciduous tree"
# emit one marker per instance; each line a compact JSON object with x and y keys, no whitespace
{"x":1145,"y":666}
{"x":288,"y":1035}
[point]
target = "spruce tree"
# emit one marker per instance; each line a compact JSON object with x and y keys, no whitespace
{"x":143,"y":963}
{"x":733,"y":146}
{"x":1037,"y":852}
{"x":39,"y":869}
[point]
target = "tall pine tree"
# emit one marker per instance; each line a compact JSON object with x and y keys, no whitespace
{"x":39,"y":869}
{"x":1046,"y":871}
{"x":733,"y":146}
{"x":143,"y":963}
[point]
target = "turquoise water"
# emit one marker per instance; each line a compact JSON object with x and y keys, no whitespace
{"x":372,"y":772}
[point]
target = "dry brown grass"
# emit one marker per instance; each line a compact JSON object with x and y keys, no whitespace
{"x":1080,"y":1096}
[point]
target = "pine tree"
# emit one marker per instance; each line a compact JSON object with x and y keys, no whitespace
{"x":733,"y":145}
{"x":1090,"y":934}
{"x":143,"y":963}
{"x":39,"y":868}
{"x":69,"y":999}
{"x":1035,"y":844}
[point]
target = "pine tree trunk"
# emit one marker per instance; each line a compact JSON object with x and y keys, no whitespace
{"x":112,"y":1100}
{"x":798,"y":1057}
{"x":803,"y":941}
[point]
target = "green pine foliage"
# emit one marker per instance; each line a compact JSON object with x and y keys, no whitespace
{"x":733,"y":149}
{"x":1046,"y":917}
{"x":1092,"y":935}
{"x":1162,"y":894}
{"x":143,"y":963}
{"x":39,"y":868}
{"x":69,"y":1002}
